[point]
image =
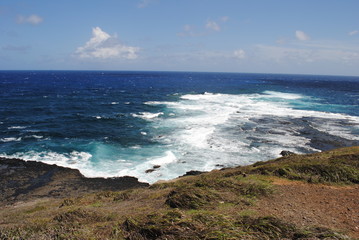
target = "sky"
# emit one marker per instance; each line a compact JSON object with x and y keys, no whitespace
{"x":252,"y":36}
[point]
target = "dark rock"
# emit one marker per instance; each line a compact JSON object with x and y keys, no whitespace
{"x":152,"y":169}
{"x":193,"y":173}
{"x":286,"y":153}
{"x":25,"y":180}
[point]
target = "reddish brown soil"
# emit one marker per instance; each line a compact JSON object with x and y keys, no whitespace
{"x":335,"y":207}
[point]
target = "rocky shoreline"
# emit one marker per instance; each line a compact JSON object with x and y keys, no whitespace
{"x":26,"y":180}
{"x":296,"y":196}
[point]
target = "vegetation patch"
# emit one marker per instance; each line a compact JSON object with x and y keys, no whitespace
{"x":79,"y":216}
{"x":336,"y":166}
{"x":266,"y":227}
{"x":190,"y":198}
{"x":200,"y":224}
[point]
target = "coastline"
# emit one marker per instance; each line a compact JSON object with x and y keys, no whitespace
{"x":296,"y":196}
{"x":22,"y":180}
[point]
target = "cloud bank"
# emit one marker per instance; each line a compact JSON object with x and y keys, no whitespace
{"x":104,"y":46}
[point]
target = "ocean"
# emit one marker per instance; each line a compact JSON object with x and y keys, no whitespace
{"x":159,"y":125}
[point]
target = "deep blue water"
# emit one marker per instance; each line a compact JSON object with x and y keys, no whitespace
{"x":123,"y":123}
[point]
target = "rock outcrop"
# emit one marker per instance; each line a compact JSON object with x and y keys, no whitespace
{"x":24,"y":180}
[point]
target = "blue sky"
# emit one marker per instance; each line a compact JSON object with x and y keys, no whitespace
{"x":259,"y":36}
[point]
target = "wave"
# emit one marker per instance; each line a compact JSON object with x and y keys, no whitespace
{"x":289,"y":96}
{"x":75,"y":159}
{"x":147,"y":115}
{"x":160,"y":103}
{"x":17,"y":127}
{"x":11,"y":139}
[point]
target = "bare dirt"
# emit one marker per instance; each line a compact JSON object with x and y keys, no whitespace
{"x":304,"y":204}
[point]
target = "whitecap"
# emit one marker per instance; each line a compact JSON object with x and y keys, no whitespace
{"x":16,"y":127}
{"x":167,"y":159}
{"x":135,"y":147}
{"x":161,"y":103}
{"x":288,"y":96}
{"x":11,"y":139}
{"x":147,"y":115}
{"x":34,"y":136}
{"x":204,"y":96}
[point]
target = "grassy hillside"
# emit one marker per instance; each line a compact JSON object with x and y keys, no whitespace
{"x":221,"y":204}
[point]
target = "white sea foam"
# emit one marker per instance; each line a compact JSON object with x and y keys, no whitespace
{"x":210,"y":129}
{"x":207,"y":131}
{"x":16,"y":127}
{"x":74,"y":159}
{"x":35,"y":136}
{"x":337,"y":129}
{"x":147,"y":115}
{"x":160,"y":103}
{"x":168,"y":158}
{"x":168,"y":169}
{"x":11,"y":139}
{"x":282,"y":95}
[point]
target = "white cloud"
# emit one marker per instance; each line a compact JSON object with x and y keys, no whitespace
{"x":104,"y":46}
{"x":352,"y":33}
{"x":32,"y":19}
{"x":212,"y":25}
{"x":240,"y":53}
{"x":302,"y":36}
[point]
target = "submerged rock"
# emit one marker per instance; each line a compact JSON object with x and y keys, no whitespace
{"x":150,"y":170}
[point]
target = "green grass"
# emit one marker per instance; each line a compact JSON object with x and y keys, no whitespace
{"x":340,"y":166}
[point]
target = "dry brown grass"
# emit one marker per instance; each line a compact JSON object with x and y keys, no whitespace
{"x":209,"y":206}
